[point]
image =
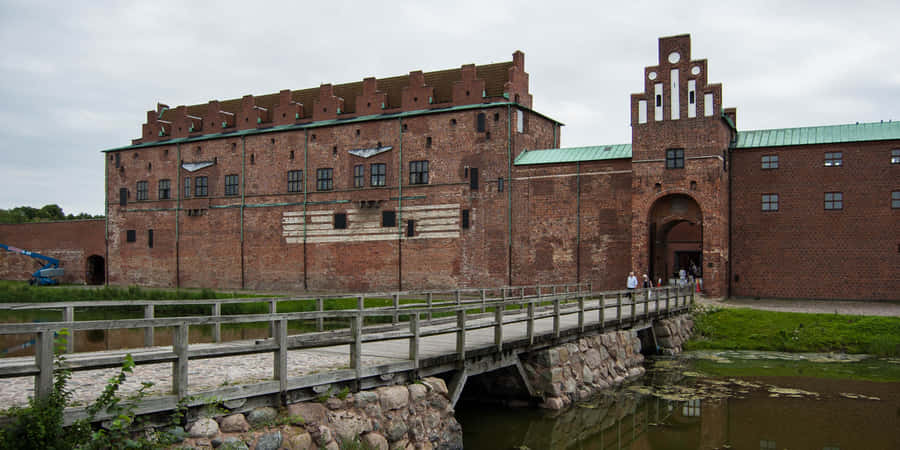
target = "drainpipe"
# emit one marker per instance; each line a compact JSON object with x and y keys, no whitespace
{"x":730,"y":217}
{"x":509,"y":184}
{"x":106,"y":220}
{"x":305,"y":200}
{"x":577,"y":220}
{"x":179,"y":193}
{"x":400,"y":209}
{"x":243,"y":193}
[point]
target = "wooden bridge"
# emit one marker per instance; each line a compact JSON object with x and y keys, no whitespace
{"x":466,"y":332}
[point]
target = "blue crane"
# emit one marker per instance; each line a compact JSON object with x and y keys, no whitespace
{"x":45,"y":275}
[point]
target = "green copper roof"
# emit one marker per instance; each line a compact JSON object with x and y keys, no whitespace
{"x":574,"y":154}
{"x":876,"y":131}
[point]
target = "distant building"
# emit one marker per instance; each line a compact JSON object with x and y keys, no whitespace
{"x":451,"y":178}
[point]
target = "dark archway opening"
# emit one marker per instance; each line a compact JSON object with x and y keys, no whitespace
{"x":676,"y":238}
{"x":95,"y":272}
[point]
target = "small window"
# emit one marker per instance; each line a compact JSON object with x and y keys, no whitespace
{"x":496,"y":117}
{"x":770,"y":161}
{"x":165,"y":189}
{"x":499,"y":184}
{"x":770,"y":202}
{"x":200,"y":186}
{"x":149,"y":238}
{"x":340,"y":221}
{"x":895,"y":156}
{"x":834,"y":200}
{"x":142,"y":190}
{"x":130,"y":236}
{"x":377,"y":173}
{"x":473,"y":178}
{"x":895,"y":200}
{"x":410,"y":228}
{"x":675,"y":158}
{"x":479,"y":123}
{"x":292,"y":154}
{"x":520,"y":121}
{"x":465,"y":219}
{"x":187,"y":187}
{"x":123,"y":196}
{"x":324,"y":179}
{"x":359,"y":175}
{"x":428,"y":142}
{"x":389,"y":218}
{"x":834,"y":159}
{"x":295,"y":181}
{"x":231,"y":184}
{"x":418,"y":172}
{"x":118,"y":160}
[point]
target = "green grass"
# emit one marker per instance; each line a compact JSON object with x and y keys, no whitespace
{"x":20,"y":291}
{"x":748,"y":329}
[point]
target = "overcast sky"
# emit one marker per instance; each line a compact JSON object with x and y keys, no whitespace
{"x":78,"y":77}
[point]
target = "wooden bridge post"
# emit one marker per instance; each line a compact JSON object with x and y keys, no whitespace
{"x":461,"y":334}
{"x":148,"y":331}
{"x":320,"y":321}
{"x":483,"y":301}
{"x":43,"y":357}
{"x":458,"y":298}
{"x":556,"y":317}
{"x":395,"y":319}
{"x":667,"y":299}
{"x":530,"y":323}
{"x":656,"y":299}
{"x":602,"y":312}
{"x":217,"y":327}
{"x":280,"y":358}
{"x":634,"y":299}
{"x":273,"y":309}
{"x":498,"y":328}
{"x":580,"y":313}
{"x":429,"y":300}
{"x":356,"y":324}
{"x":414,"y":339}
{"x":521,"y":298}
{"x":69,"y":318}
{"x":180,"y":365}
{"x":619,"y":308}
{"x":361,"y":304}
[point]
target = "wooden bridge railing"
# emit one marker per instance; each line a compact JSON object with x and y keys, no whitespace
{"x":446,"y":317}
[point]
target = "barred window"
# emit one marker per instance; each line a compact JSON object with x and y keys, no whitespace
{"x":200,"y":186}
{"x":377,"y":173}
{"x":418,"y":172}
{"x":130,"y":235}
{"x":324,"y":179}
{"x":770,"y":161}
{"x":295,"y":181}
{"x":187,"y":187}
{"x":834,"y":200}
{"x":675,"y":158}
{"x":165,"y":190}
{"x":770,"y":202}
{"x":834,"y":159}
{"x":142,"y":190}
{"x":359,"y":175}
{"x":231,"y":184}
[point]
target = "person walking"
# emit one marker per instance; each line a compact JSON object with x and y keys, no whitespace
{"x":631,"y":283}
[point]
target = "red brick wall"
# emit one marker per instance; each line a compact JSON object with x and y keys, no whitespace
{"x":804,"y":251}
{"x":72,"y":242}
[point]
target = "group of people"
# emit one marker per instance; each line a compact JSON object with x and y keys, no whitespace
{"x":632,"y":282}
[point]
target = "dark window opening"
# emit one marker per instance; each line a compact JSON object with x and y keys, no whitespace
{"x":142,"y":190}
{"x":324,"y":179}
{"x":340,"y":221}
{"x":487,"y":135}
{"x":292,"y":154}
{"x":123,"y":196}
{"x":149,"y":166}
{"x":499,"y":184}
{"x":834,"y":200}
{"x":465,"y":219}
{"x":149,"y":238}
{"x":252,"y":159}
{"x":130,"y":236}
{"x":388,"y":219}
{"x":675,"y":158}
{"x":313,"y":138}
{"x":200,"y":186}
{"x":496,"y":117}
{"x":479,"y":125}
{"x":428,"y":142}
{"x":295,"y":180}
{"x":418,"y":172}
{"x":410,"y":228}
{"x":165,"y":189}
{"x":334,"y":150}
{"x":359,"y":176}
{"x":473,"y":178}
{"x":691,"y":97}
{"x":377,"y":173}
{"x":118,"y":160}
{"x":658,"y":100}
{"x":231,"y":184}
{"x":452,"y":124}
{"x":693,"y":185}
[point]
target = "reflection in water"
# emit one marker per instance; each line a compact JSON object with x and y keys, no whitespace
{"x":675,"y":407}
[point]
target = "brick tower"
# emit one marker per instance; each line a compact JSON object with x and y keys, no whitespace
{"x":680,"y":190}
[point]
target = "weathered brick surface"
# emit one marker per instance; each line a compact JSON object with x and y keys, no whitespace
{"x":72,"y":242}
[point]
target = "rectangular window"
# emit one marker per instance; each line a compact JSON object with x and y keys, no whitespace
{"x":770,"y":202}
{"x":359,"y":175}
{"x":473,"y":178}
{"x":231,"y":184}
{"x":658,"y":109}
{"x":895,"y":156}
{"x":200,"y":186}
{"x":187,"y":187}
{"x":418,"y":172}
{"x":428,"y":142}
{"x":520,"y":121}
{"x":378,"y":177}
{"x":149,"y":238}
{"x":142,"y":191}
{"x":770,"y":161}
{"x":465,"y":219}
{"x":123,"y":196}
{"x":834,"y":200}
{"x":410,"y":228}
{"x":340,"y":221}
{"x":895,"y":199}
{"x":479,"y":122}
{"x":324,"y":180}
{"x":834,"y":159}
{"x":388,"y":219}
{"x":675,"y":158}
{"x":295,"y":180}
{"x":130,"y":236}
{"x":499,"y":184}
{"x":708,"y":107}
{"x":165,"y":189}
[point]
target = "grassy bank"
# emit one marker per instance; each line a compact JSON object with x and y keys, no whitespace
{"x":20,"y":291}
{"x":749,"y":329}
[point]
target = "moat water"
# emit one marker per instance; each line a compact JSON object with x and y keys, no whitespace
{"x":715,"y":400}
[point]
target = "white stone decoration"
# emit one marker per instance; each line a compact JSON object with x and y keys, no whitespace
{"x":695,"y":70}
{"x":674,"y":57}
{"x":651,"y":75}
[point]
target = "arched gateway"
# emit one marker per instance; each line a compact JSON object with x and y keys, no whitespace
{"x":675,"y":225}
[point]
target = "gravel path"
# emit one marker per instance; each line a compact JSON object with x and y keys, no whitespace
{"x":856,"y":308}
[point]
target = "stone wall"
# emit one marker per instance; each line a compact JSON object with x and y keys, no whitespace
{"x":576,"y":371}
{"x":672,"y":332}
